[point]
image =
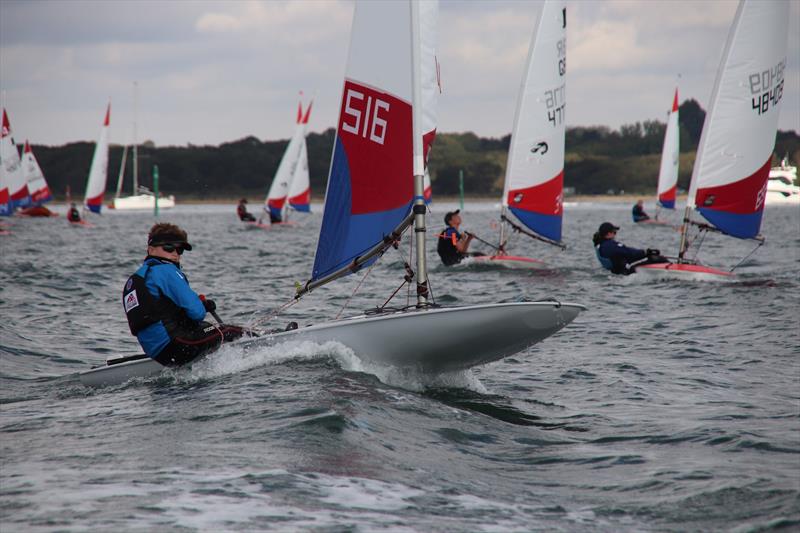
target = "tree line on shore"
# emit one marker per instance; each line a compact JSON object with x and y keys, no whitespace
{"x":599,"y":160}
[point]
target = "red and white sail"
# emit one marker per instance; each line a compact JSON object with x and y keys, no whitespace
{"x":299,"y":194}
{"x":670,"y":157}
{"x":427,"y":189}
{"x":13,"y":177}
{"x":729,"y":180}
{"x":279,"y":190}
{"x":534,"y":181}
{"x":37,"y":184}
{"x":98,"y":172}
{"x":371,"y":185}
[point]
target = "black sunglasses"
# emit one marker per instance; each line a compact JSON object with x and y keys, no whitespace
{"x":169,"y":248}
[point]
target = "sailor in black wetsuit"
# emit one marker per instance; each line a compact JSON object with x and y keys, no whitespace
{"x":452,"y":246}
{"x":638,"y":213}
{"x":617,"y":257}
{"x":241,"y":210}
{"x":164,"y":313}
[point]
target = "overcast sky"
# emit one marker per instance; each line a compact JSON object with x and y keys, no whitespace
{"x":212,"y":72}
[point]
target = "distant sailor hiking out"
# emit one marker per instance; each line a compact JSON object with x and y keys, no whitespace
{"x":617,"y":257}
{"x":638,"y":212}
{"x":241,"y":210}
{"x":163,"y":312}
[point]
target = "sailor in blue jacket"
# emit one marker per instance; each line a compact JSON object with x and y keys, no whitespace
{"x":617,"y":257}
{"x":638,"y":213}
{"x":164,"y":313}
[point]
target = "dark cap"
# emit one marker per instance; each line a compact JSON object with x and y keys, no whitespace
{"x":169,"y":238}
{"x":243,"y":201}
{"x":605,"y":227}
{"x":450,"y":215}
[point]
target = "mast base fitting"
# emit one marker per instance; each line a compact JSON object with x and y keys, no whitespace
{"x":420,"y":209}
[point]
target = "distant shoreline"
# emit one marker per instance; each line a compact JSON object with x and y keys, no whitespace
{"x":578,"y":198}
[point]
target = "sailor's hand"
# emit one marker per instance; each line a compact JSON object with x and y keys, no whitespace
{"x":209,"y":305}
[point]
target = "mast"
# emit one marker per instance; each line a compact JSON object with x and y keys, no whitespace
{"x":135,"y":144}
{"x":419,"y":158}
{"x":121,"y":172}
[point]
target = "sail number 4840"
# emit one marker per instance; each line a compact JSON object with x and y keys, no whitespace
{"x":356,"y":107}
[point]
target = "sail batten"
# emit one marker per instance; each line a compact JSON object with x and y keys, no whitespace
{"x":533,"y":189}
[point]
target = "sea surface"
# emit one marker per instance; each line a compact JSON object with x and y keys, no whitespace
{"x":665,"y":406}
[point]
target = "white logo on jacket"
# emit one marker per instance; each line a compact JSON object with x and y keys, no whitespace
{"x":131,"y":301}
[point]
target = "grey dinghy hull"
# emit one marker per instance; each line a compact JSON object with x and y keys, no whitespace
{"x":433,"y":340}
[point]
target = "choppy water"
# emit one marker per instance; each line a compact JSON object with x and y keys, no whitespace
{"x":665,"y":406}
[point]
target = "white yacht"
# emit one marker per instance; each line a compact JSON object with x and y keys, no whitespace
{"x":782,"y":188}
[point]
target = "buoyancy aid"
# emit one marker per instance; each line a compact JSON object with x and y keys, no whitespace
{"x":446,"y":247}
{"x":142,"y":309}
{"x":604,"y":261}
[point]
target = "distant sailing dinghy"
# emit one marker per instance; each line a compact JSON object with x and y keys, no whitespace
{"x":37,"y":186}
{"x":534,"y":183}
{"x":372,"y":200}
{"x":729,"y":179}
{"x":670,"y":161}
{"x":13,"y":174}
{"x":291,"y":186}
{"x":96,"y":183}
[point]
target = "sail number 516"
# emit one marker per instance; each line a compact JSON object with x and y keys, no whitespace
{"x":356,"y":107}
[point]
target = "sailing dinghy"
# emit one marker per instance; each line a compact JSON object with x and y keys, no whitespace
{"x":729,"y":178}
{"x":13,"y":177}
{"x":37,"y":186}
{"x":291,"y":186}
{"x":375,"y":193}
{"x":670,"y":160}
{"x":534,"y":183}
{"x":96,"y":183}
{"x":668,"y":170}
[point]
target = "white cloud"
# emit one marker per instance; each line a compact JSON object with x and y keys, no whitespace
{"x":218,"y":23}
{"x":243,"y":62}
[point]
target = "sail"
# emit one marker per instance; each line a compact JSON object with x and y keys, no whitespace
{"x":371,"y":186}
{"x":534,"y":181}
{"x":96,"y":184}
{"x":729,"y":179}
{"x":7,"y":167}
{"x":670,"y":154}
{"x":279,"y":190}
{"x":300,"y":187}
{"x":12,"y":169}
{"x":5,"y":197}
{"x":428,"y":190}
{"x":37,"y":184}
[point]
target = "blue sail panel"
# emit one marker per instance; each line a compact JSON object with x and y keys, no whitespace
{"x":548,"y":226}
{"x":345,"y":235}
